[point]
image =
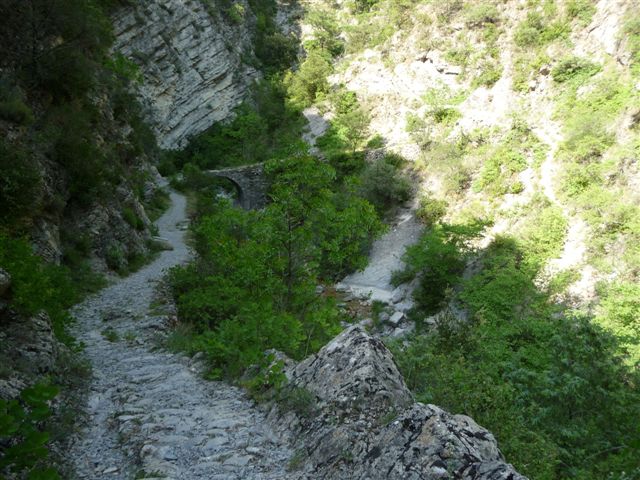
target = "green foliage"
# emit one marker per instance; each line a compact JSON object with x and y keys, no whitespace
{"x":24,"y":443}
{"x":499,"y":174}
{"x":619,"y":313}
{"x":572,"y":68}
{"x":551,"y":387}
{"x":132,"y":219}
{"x":489,"y":74}
{"x":384,"y":185}
{"x":326,"y":34}
{"x":253,"y":285}
{"x":20,"y":186}
{"x":264,"y":128}
{"x":581,"y":10}
{"x":110,"y":334}
{"x":544,"y":235}
{"x":309,"y":82}
{"x":480,"y":14}
{"x":632,"y":31}
{"x":438,"y":258}
{"x":431,"y":210}
{"x":538,"y":30}
{"x":37,"y":286}
{"x":12,"y":105}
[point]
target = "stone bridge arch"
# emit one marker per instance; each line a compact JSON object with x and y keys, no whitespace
{"x":250,"y":181}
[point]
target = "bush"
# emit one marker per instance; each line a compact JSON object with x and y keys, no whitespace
{"x":132,"y":219}
{"x":438,"y":259}
{"x":26,"y":452}
{"x":20,"y":186}
{"x":573,"y":68}
{"x":12,"y":105}
{"x":37,"y":286}
{"x":481,"y":14}
{"x":536,"y":30}
{"x":581,"y":10}
{"x":632,"y":30}
{"x":431,"y":210}
{"x":619,"y":313}
{"x":306,"y":84}
{"x":490,"y":73}
{"x":384,"y":186}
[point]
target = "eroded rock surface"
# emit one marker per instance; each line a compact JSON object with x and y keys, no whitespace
{"x":358,"y":420}
{"x":191,"y":62}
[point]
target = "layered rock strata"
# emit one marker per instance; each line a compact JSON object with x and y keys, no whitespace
{"x":191,"y":59}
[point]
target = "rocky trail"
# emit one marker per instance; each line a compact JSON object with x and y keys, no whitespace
{"x":149,"y":414}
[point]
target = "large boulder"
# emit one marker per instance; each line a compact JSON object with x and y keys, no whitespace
{"x":359,"y":421}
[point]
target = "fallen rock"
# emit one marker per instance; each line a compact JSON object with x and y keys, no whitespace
{"x":366,"y":425}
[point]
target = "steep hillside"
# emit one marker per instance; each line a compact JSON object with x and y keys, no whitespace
{"x":518,"y":120}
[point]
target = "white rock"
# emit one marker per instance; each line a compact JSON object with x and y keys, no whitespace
{"x":396,"y":318}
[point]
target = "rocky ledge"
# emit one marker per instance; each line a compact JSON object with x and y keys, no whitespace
{"x":350,"y":413}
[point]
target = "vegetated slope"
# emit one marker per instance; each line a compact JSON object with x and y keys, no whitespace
{"x":521,"y":121}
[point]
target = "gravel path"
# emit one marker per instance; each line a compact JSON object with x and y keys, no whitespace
{"x":150,"y":415}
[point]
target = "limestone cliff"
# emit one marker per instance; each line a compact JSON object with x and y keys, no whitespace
{"x":191,"y":59}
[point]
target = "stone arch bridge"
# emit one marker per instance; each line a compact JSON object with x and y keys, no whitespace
{"x":250,"y":182}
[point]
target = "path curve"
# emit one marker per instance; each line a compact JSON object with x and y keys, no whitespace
{"x":149,"y":413}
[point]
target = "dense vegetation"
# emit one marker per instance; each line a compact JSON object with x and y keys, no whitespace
{"x":558,"y":387}
{"x":550,"y":384}
{"x":63,"y":104}
{"x":253,"y":286}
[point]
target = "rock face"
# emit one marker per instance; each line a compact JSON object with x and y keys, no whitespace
{"x":190,"y":57}
{"x":29,"y":344}
{"x":359,"y":421}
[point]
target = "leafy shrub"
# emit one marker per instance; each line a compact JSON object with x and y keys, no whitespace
{"x":480,"y":14}
{"x":490,"y":73}
{"x":431,"y":210}
{"x":619,"y":313}
{"x":26,"y":449}
{"x":536,"y":30}
{"x":384,"y":186}
{"x":310,"y":81}
{"x":37,"y":286}
{"x":632,"y":31}
{"x":132,"y":219}
{"x":582,"y":10}
{"x":20,"y":186}
{"x":12,"y":105}
{"x":438,"y":258}
{"x":253,"y":285}
{"x":115,"y":258}
{"x":574,"y":67}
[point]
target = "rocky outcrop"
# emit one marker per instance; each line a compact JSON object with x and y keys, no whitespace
{"x":353,"y":417}
{"x":29,"y":351}
{"x":190,"y":56}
